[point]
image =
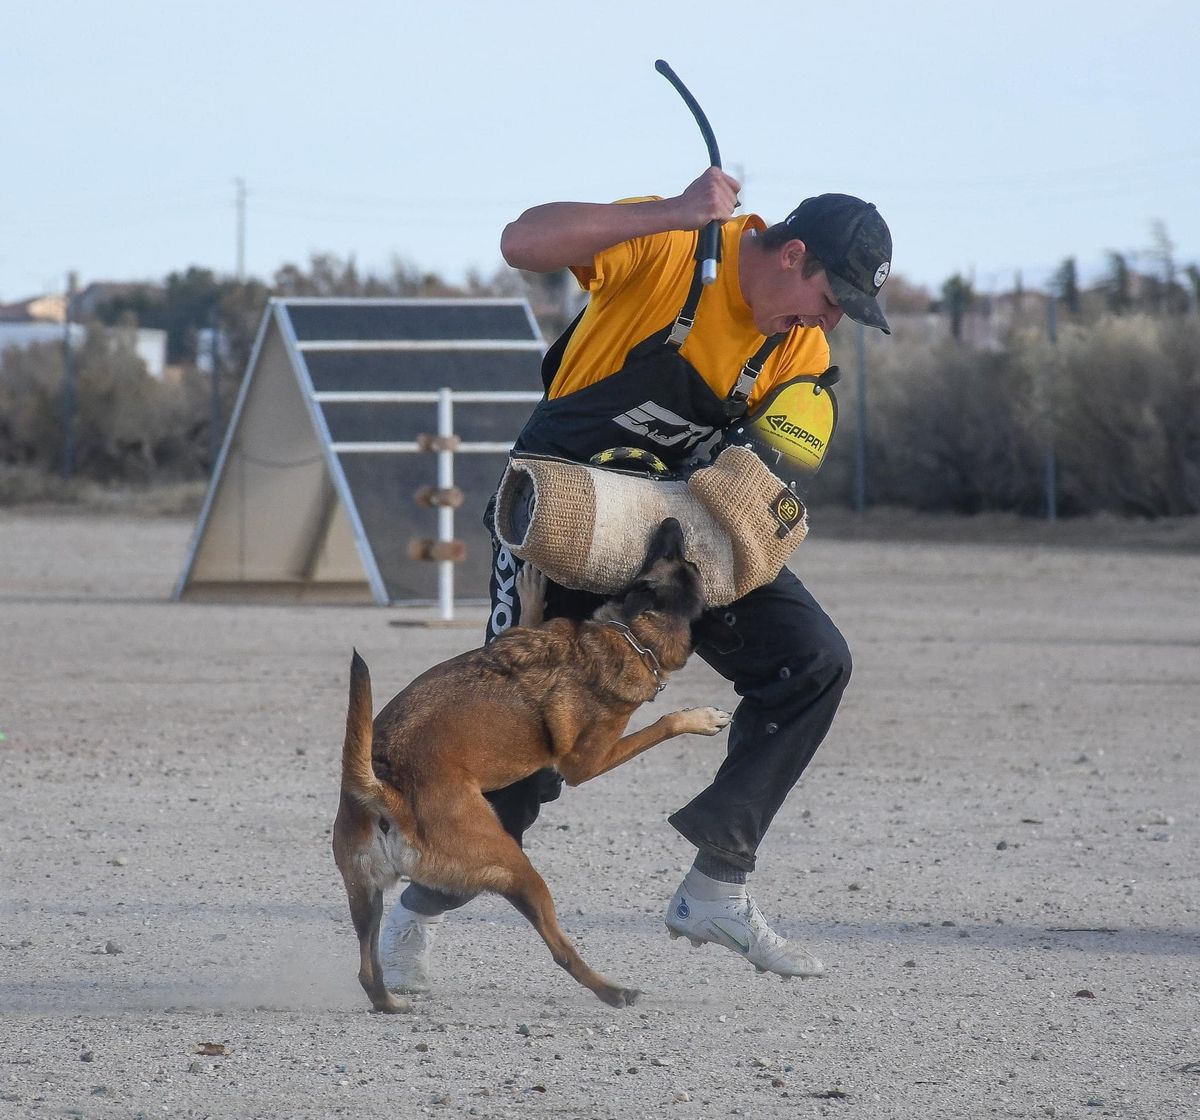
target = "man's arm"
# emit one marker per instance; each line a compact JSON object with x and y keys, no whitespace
{"x":570,"y":234}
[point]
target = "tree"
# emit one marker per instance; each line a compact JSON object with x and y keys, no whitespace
{"x":1117,"y":293}
{"x":181,"y":306}
{"x":1065,"y":285}
{"x":1162,"y":251}
{"x":1166,"y":294}
{"x":1193,"y":275}
{"x":957,"y":297}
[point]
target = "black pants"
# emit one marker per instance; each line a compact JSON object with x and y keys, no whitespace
{"x":789,"y":664}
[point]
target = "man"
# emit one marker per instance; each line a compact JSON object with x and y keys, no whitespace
{"x":660,"y":362}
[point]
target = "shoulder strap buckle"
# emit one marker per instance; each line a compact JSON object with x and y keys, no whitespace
{"x":681,"y":329}
{"x":744,"y":386}
{"x":687,"y":314}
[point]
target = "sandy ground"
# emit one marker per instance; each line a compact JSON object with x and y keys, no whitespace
{"x":995,"y":852}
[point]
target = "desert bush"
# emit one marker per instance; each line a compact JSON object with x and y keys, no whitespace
{"x":950,"y":427}
{"x":1127,"y":416}
{"x":31,"y":406}
{"x":127,"y":425}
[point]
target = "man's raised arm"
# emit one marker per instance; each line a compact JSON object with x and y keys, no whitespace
{"x":570,"y":234}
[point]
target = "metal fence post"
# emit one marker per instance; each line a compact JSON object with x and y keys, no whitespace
{"x":1051,"y":466}
{"x":445,"y":477}
{"x":446,"y":445}
{"x":860,"y":449}
{"x":68,"y":460}
{"x":214,"y":399}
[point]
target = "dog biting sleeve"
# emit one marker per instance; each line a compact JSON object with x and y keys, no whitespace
{"x":589,"y":528}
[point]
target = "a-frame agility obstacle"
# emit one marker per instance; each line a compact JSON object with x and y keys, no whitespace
{"x":314,"y":495}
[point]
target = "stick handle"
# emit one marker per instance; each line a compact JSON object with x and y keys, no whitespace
{"x":710,"y":236}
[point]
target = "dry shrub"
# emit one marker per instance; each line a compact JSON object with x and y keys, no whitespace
{"x":31,"y":415}
{"x":950,"y":427}
{"x":1127,"y":416}
{"x":128,"y":426}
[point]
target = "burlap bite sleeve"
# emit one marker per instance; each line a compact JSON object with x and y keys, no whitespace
{"x":589,"y":528}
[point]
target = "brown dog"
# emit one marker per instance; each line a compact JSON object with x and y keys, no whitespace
{"x":559,"y":695}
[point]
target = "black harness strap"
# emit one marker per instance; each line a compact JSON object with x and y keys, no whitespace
{"x":553,"y":357}
{"x":735,"y":403}
{"x":686,"y":318}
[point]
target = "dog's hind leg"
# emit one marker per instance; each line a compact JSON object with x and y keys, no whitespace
{"x":366,"y":910}
{"x":529,"y":894}
{"x":353,"y":834}
{"x":481,"y":856}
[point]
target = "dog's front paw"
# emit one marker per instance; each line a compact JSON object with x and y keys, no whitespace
{"x":531,"y":594}
{"x":704,"y":721}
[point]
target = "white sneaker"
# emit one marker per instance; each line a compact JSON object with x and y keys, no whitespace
{"x":405,"y":948}
{"x":738,"y":924}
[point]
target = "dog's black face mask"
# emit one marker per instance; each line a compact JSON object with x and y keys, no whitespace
{"x":668,"y":582}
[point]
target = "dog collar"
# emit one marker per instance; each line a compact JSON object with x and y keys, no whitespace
{"x":646,"y":655}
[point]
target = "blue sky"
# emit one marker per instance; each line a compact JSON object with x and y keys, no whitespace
{"x":993,"y":136}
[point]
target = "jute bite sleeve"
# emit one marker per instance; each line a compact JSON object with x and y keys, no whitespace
{"x":588,"y":528}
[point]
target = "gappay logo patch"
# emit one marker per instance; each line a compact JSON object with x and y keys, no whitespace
{"x":795,"y":433}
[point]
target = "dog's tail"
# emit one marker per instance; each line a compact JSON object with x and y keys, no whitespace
{"x":358,"y":774}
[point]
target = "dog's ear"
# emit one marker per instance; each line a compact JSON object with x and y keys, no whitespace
{"x":641,"y":597}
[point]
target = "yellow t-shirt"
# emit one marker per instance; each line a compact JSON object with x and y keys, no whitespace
{"x":638,"y":287}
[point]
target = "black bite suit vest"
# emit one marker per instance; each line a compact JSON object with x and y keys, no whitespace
{"x":656,"y":401}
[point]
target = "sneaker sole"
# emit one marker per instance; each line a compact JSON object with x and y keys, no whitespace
{"x":697,"y":942}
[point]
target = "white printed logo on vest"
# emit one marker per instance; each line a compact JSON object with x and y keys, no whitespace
{"x":663,"y":426}
{"x":503,"y":611}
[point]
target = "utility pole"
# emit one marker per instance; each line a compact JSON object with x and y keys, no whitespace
{"x":1048,"y":391}
{"x":240,"y":206}
{"x":860,"y":445}
{"x":68,"y":460}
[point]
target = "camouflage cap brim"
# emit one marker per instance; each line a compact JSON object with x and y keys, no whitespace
{"x":860,"y":306}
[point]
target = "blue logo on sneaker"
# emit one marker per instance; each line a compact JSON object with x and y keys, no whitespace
{"x":682,"y":909}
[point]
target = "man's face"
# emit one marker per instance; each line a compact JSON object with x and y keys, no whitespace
{"x":787,"y":298}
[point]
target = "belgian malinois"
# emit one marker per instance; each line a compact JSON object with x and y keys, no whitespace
{"x":556,"y":695}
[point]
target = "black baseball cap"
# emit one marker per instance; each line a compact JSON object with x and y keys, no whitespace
{"x":852,"y":241}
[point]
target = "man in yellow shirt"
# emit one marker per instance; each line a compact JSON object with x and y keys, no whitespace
{"x":661,"y":362}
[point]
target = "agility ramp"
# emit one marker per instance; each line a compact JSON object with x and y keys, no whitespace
{"x":314,"y":493}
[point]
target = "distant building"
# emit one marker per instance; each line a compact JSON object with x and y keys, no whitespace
{"x":34,"y":321}
{"x":26,"y":334}
{"x":43,"y":319}
{"x":35,"y":309}
{"x":91,"y":299}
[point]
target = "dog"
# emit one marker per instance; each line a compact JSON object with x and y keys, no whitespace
{"x":558,"y":694}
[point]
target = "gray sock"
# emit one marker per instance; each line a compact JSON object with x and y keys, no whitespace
{"x":719,"y":869}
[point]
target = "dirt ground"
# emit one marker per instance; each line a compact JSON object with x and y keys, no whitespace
{"x":995,"y":852}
